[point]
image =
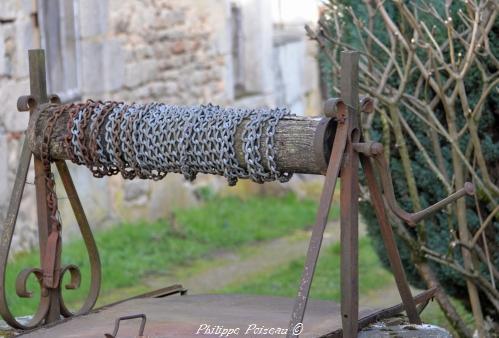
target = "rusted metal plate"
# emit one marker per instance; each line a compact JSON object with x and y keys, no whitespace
{"x":184,"y":316}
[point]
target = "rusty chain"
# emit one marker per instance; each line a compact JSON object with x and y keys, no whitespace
{"x":150,"y":140}
{"x":50,"y":271}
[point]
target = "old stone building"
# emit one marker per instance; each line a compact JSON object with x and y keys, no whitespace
{"x":239,"y":53}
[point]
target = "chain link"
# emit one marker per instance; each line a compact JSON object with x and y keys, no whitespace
{"x":150,"y":140}
{"x":49,"y":175}
{"x":50,"y":261}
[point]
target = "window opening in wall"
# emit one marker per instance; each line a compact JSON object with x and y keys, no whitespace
{"x":60,"y":39}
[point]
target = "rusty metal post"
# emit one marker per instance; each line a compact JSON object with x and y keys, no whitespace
{"x":38,"y":88}
{"x":349,"y":196}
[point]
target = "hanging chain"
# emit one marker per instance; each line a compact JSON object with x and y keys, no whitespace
{"x":49,"y":176}
{"x":51,"y":272}
{"x":150,"y":140}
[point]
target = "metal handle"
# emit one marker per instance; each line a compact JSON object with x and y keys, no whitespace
{"x":467,"y":189}
{"x":117,"y":325}
{"x":375,"y":150}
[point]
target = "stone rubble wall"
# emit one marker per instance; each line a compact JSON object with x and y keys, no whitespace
{"x":142,"y":50}
{"x":18,"y":33}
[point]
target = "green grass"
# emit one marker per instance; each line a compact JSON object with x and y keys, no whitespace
{"x":130,"y":252}
{"x":285,"y":281}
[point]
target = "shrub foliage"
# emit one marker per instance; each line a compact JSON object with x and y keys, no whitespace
{"x":432,"y":69}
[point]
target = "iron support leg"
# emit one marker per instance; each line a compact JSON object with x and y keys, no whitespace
{"x":349,"y":243}
{"x":314,"y":247}
{"x":389,"y":241}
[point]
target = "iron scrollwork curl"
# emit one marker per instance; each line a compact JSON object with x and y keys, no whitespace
{"x":22,"y":281}
{"x":91,"y":246}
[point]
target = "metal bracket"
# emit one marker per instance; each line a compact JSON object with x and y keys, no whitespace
{"x":26,"y":103}
{"x":335,"y":107}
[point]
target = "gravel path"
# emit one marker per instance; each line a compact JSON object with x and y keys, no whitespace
{"x":229,"y":268}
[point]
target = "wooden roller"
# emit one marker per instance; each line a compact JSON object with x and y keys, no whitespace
{"x":302,"y":144}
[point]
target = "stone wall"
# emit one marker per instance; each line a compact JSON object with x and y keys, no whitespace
{"x":18,"y":33}
{"x":168,"y":51}
{"x":178,"y":52}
